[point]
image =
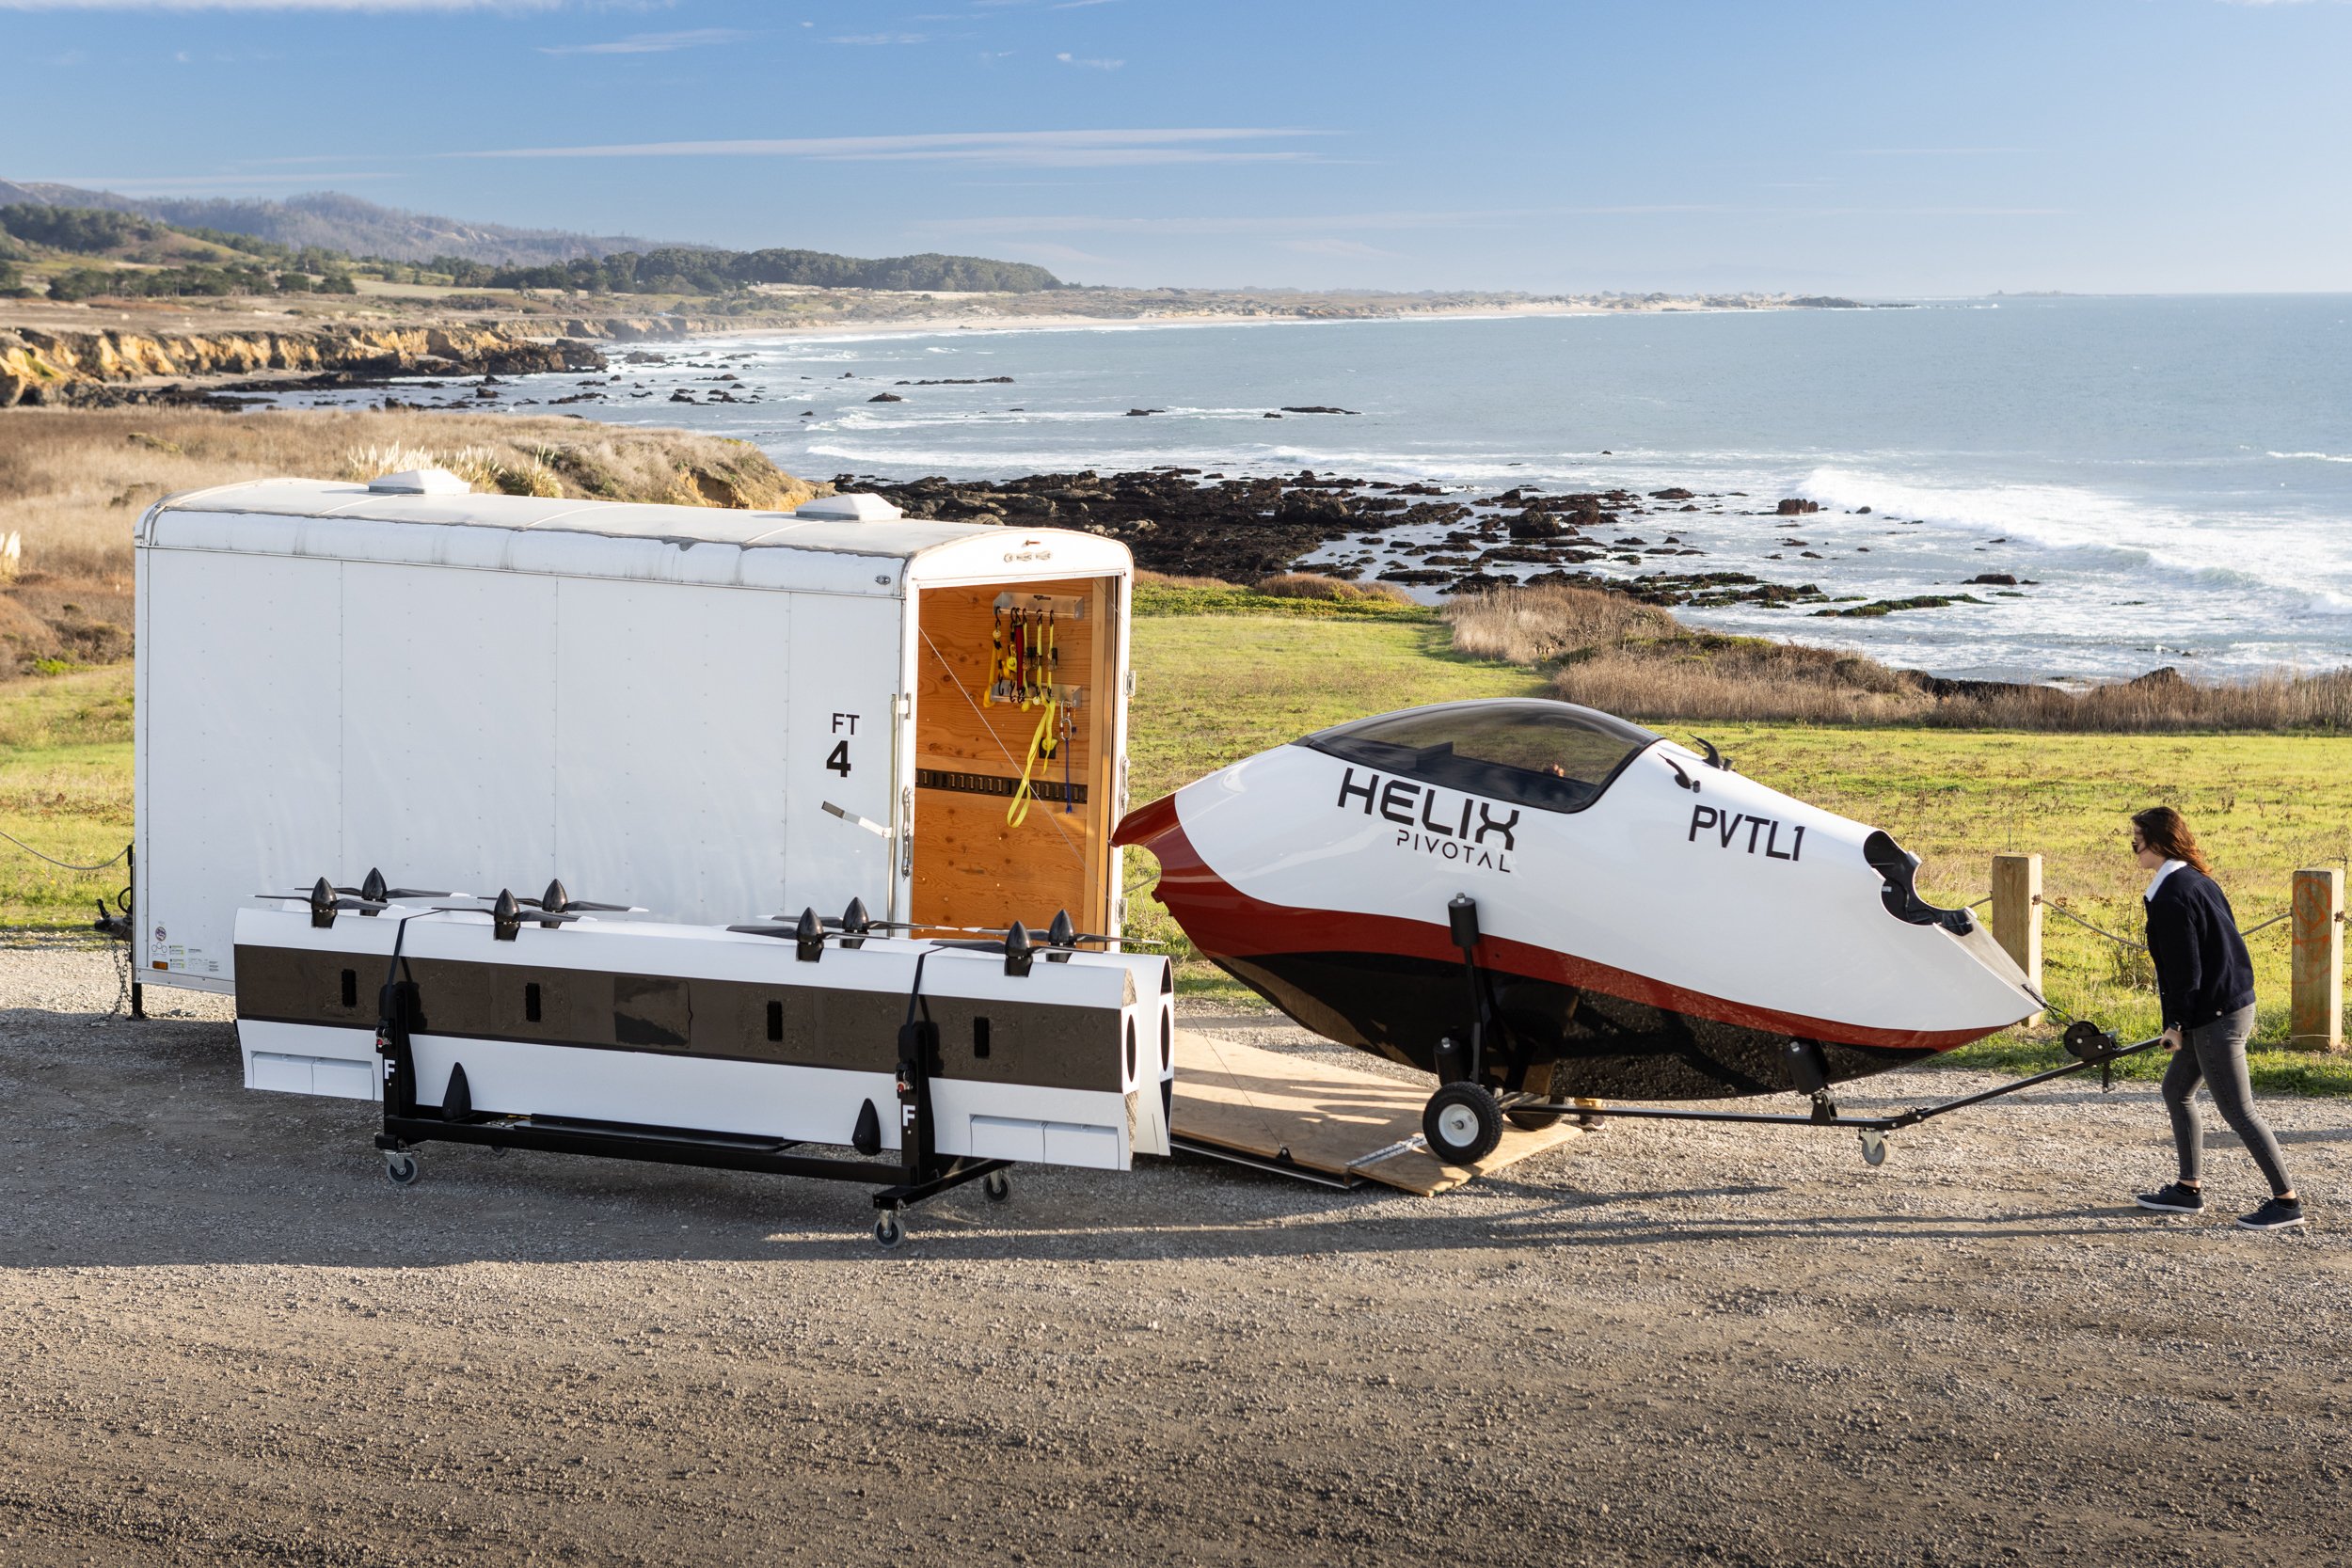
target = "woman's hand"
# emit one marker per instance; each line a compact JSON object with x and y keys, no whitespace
{"x":2172,"y":1038}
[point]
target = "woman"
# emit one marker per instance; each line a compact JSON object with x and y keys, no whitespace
{"x":2206,"y":984}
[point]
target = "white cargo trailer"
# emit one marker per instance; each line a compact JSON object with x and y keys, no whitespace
{"x":715,"y":715}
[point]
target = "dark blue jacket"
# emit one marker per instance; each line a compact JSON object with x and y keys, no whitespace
{"x":2202,"y":971}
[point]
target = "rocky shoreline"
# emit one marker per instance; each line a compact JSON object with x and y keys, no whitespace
{"x":1188,"y":522}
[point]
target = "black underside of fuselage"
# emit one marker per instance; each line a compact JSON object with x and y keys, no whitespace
{"x":1600,"y":1046}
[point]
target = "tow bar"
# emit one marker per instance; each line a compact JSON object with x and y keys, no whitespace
{"x":2090,"y":1046}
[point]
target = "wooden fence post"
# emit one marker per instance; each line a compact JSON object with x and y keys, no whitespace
{"x":2017,"y":914}
{"x":2317,"y":1018}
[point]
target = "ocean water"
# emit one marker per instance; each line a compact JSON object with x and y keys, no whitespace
{"x":2169,"y":478}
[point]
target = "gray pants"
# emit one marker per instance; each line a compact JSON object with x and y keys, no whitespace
{"x":2215,"y":1053}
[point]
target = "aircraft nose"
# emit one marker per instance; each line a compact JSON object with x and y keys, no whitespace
{"x":1145,"y":825}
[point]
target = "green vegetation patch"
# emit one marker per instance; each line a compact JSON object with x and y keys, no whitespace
{"x":1220,"y":684}
{"x":1162,"y":598}
{"x":65,"y":789}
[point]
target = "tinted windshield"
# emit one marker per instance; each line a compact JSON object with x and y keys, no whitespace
{"x":1555,"y":756}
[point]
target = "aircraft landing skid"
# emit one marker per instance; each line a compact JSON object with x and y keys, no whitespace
{"x":2092,"y":1048}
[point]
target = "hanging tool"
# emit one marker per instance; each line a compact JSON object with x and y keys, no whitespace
{"x":1021,"y":657}
{"x":995,"y":656}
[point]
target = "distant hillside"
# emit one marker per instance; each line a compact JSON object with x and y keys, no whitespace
{"x":682,"y":271}
{"x":490,"y":255}
{"x":330,"y":221}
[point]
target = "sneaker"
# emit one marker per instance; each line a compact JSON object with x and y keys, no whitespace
{"x":2279,"y":1213}
{"x":2173,"y":1198}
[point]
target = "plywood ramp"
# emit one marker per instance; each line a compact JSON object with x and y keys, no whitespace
{"x":1338,"y":1121}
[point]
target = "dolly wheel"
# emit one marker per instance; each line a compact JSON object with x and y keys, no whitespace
{"x":1536,"y":1118}
{"x":889,"y":1232}
{"x":997,"y":1185}
{"x":1873,"y":1146}
{"x":1462,"y":1123}
{"x":400,"y":1170}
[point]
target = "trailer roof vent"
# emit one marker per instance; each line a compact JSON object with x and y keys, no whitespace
{"x":420,"y":481}
{"x":859,"y":508}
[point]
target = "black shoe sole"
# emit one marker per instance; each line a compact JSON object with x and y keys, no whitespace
{"x":2294,"y":1223}
{"x":2170,"y":1208}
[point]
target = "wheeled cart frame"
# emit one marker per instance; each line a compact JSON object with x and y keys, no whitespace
{"x":921,"y":1172}
{"x":1464,"y":1119}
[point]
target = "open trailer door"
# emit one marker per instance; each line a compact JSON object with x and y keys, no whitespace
{"x":1018,"y":731}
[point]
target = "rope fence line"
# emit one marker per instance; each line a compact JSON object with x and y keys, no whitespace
{"x":2316,"y":1019}
{"x":2056,"y":907}
{"x":67,"y":865}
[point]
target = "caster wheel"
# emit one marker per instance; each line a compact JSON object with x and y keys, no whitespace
{"x":889,"y":1232}
{"x":401,"y":1170}
{"x":1536,"y":1118}
{"x":1462,"y":1124}
{"x":997,"y":1185}
{"x":1873,"y":1146}
{"x":498,"y":1151}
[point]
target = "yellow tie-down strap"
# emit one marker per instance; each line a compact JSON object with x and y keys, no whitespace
{"x":1039,"y":746}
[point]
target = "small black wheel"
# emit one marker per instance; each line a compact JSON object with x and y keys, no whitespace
{"x":997,"y":1184}
{"x":498,"y":1151}
{"x":1536,"y":1118}
{"x":1873,"y":1146}
{"x":401,"y":1170}
{"x":889,"y":1232}
{"x":1462,"y":1124}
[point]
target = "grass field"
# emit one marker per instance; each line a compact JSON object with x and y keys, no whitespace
{"x":1216,"y":687}
{"x":1213,"y":688}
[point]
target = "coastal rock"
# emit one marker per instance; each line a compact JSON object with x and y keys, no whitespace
{"x":885,"y":397}
{"x":1995,"y":579}
{"x":1315,"y":409}
{"x":1311,"y":507}
{"x":1793,"y":507}
{"x":1672,"y":493}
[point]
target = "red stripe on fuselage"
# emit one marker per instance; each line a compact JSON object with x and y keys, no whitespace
{"x":1224,"y":922}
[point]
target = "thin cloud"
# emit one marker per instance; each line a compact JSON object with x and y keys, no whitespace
{"x":278,"y":5}
{"x":133,"y":184}
{"x":1927,"y":151}
{"x":1028,"y":148}
{"x":651,"y":43}
{"x":1090,"y":65}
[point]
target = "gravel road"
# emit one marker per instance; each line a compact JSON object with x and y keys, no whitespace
{"x":227,"y":1338}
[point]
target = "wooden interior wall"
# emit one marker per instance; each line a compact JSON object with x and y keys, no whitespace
{"x":971,"y":867}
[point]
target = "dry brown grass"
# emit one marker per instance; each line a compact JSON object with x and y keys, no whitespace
{"x":1636,"y":659}
{"x":1170,"y":580}
{"x":73,"y":482}
{"x":1536,"y":626}
{"x":1315,"y":585}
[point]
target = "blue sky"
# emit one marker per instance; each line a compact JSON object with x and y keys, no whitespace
{"x":1876,"y":149}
